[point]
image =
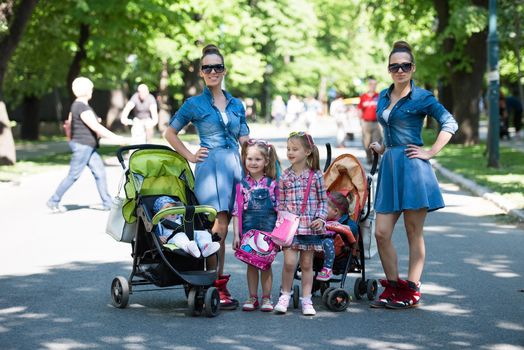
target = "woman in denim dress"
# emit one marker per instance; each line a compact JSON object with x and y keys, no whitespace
{"x":406,"y":183}
{"x":221,"y":124}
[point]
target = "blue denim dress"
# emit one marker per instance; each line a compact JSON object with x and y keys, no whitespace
{"x":405,"y":183}
{"x":217,"y":175}
{"x":260,"y":213}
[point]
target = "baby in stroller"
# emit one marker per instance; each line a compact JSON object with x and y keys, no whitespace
{"x":338,"y":222}
{"x":171,"y":231}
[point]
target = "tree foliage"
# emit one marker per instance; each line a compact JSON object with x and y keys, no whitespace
{"x":282,"y":47}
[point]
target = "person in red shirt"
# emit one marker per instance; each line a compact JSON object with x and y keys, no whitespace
{"x":371,"y":130}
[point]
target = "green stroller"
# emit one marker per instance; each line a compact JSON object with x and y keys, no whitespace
{"x":154,"y":171}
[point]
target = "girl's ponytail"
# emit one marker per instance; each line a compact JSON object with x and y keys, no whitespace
{"x":313,"y":159}
{"x":273,"y":166}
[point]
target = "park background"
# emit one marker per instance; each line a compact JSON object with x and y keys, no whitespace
{"x":303,"y":47}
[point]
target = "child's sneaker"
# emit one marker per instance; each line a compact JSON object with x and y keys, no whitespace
{"x":192,"y":249}
{"x":210,"y":249}
{"x":307,"y":307}
{"x":283,"y":303}
{"x":324,"y":274}
{"x":267,"y":305}
{"x":250,"y":304}
{"x":390,"y":288}
{"x":408,"y":295}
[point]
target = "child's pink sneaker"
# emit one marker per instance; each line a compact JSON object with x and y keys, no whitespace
{"x":250,"y":304}
{"x":307,"y":307}
{"x":267,"y":305}
{"x":283,"y":303}
{"x":324,"y":274}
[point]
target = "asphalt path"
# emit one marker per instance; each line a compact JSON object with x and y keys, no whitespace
{"x":56,"y":271}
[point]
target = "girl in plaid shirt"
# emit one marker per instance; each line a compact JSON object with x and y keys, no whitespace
{"x":303,"y":156}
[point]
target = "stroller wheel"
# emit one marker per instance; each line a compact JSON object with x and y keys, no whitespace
{"x":212,"y":302}
{"x":296,"y":296}
{"x":120,"y":292}
{"x":357,"y":289}
{"x":338,"y":299}
{"x":325,"y":296}
{"x":194,"y":302}
{"x":371,"y":289}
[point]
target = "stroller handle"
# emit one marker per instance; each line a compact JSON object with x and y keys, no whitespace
{"x":121,"y":150}
{"x":375,"y":163}
{"x":182,"y":210}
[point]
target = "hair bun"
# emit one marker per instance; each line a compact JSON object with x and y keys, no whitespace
{"x":401,"y":45}
{"x":210,"y":49}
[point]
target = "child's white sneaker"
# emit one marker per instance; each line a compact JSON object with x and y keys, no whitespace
{"x":283,"y":303}
{"x":210,"y":249}
{"x":192,"y":249}
{"x":307,"y":307}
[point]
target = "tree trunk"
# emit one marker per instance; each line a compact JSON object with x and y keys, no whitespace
{"x":16,"y":19}
{"x":467,"y":90}
{"x":445,"y":92}
{"x":80,"y":55}
{"x":7,"y":144}
{"x":31,"y":118}
{"x":164,"y":109}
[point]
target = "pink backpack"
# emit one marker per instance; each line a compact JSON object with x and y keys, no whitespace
{"x":256,"y":247}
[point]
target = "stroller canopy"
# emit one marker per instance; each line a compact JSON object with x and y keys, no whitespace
{"x":346,"y":175}
{"x":156,"y":172}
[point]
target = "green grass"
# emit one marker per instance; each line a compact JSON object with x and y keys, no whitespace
{"x":48,"y":162}
{"x":44,"y":163}
{"x":471,"y":162}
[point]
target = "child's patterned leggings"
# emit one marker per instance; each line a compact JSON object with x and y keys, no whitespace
{"x":329,"y":252}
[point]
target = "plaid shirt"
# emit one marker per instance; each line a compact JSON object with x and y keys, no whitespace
{"x":262,"y":183}
{"x":291,"y":197}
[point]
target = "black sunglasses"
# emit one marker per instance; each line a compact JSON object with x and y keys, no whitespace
{"x":208,"y":68}
{"x":406,"y":67}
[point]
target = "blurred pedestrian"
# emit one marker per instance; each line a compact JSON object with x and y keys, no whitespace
{"x":371,"y":131}
{"x":503,"y":117}
{"x":278,"y":110}
{"x":312,"y":109}
{"x":293,"y":109}
{"x":514,"y":109}
{"x":406,"y":182}
{"x":338,"y":110}
{"x":221,"y":124}
{"x":145,"y":115}
{"x":85,"y":132}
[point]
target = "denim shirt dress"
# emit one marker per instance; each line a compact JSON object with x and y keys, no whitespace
{"x":404,"y":183}
{"x":217,"y":175}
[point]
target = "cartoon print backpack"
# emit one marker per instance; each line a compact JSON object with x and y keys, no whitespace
{"x":256,"y":247}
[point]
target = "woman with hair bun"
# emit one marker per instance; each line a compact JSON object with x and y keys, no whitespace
{"x":406,"y":183}
{"x":221,"y":125}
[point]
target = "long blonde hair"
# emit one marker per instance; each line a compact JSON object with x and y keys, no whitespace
{"x":313,"y":160}
{"x":268,"y":151}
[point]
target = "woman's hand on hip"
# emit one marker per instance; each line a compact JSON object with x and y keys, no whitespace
{"x":200,"y":155}
{"x":414,"y":151}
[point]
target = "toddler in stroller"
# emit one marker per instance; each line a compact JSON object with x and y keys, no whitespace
{"x":171,"y":231}
{"x":341,"y":232}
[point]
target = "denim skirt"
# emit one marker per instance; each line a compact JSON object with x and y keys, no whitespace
{"x":406,"y":184}
{"x":216,"y":178}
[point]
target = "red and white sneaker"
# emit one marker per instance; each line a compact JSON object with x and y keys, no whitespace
{"x":390,"y":289}
{"x":408,"y":296}
{"x":251,"y":304}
